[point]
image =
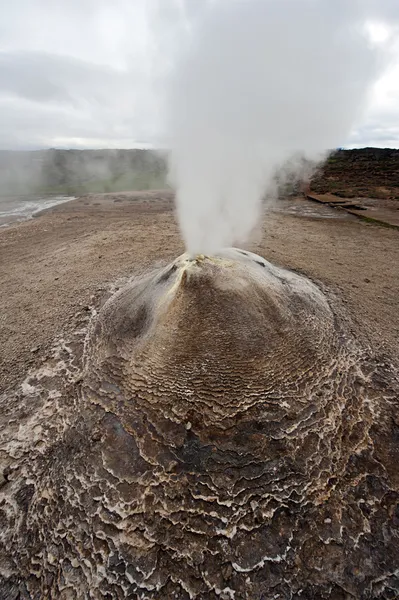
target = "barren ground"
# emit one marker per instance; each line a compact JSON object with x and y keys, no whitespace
{"x":51,"y":266}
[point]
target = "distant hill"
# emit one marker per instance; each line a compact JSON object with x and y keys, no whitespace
{"x":367,"y":172}
{"x":76,"y":172}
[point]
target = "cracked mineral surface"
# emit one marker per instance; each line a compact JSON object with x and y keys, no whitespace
{"x":215,"y":431}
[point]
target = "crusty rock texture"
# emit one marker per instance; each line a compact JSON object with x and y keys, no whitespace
{"x":227,"y":438}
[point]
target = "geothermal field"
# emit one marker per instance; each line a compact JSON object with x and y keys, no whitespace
{"x":65,"y":259}
{"x":258,"y":390}
{"x":199,"y":341}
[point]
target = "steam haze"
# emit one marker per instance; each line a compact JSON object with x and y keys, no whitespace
{"x":258,"y":83}
{"x":235,"y":87}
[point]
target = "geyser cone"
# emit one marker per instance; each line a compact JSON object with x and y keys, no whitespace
{"x":223,"y":330}
{"x":211,"y":344}
{"x":225,"y":391}
{"x":229,"y":440}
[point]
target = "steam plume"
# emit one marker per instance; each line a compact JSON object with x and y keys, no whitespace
{"x":257,"y":82}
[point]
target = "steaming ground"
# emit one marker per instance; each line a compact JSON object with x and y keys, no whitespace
{"x":67,"y":258}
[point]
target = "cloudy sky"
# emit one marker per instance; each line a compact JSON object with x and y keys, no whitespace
{"x":92,"y":73}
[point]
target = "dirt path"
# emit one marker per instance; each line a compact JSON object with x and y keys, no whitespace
{"x":52,"y":265}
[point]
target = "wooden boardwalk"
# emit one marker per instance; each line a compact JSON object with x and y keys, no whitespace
{"x":383,"y":216}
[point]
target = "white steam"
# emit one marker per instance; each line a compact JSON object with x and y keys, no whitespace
{"x":257,"y":82}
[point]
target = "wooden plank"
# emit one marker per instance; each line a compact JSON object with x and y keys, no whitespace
{"x":381,"y":216}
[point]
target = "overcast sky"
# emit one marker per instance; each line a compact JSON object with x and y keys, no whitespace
{"x":91,"y":73}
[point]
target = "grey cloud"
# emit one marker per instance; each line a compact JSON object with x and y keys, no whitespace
{"x":48,"y":96}
{"x":91,"y":72}
{"x":45,"y":77}
{"x":376,"y":134}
